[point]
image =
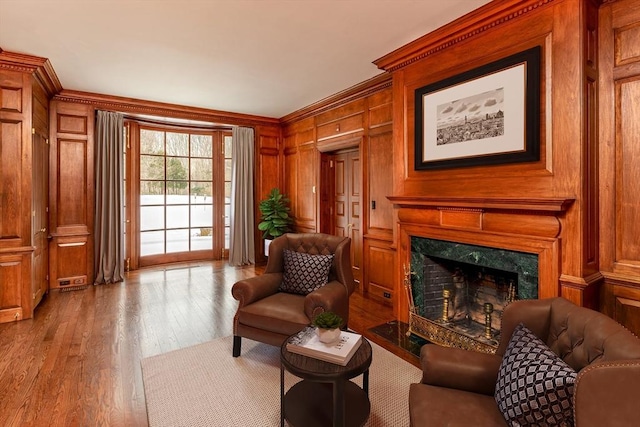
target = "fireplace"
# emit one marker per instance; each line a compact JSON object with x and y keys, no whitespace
{"x":457,"y":292}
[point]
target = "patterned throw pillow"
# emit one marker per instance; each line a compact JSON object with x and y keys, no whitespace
{"x":304,"y":273}
{"x":535,"y":386}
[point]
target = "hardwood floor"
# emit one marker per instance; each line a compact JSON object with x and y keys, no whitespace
{"x":77,"y":362}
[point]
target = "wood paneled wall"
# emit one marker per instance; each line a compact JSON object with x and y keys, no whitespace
{"x":72,"y":194}
{"x":269,"y":173}
{"x":359,"y":118}
{"x":566,"y":32}
{"x":619,"y":157}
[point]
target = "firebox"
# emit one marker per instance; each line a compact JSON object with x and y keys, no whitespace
{"x":457,"y":292}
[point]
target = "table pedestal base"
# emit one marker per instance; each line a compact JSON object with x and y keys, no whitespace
{"x":310,"y":404}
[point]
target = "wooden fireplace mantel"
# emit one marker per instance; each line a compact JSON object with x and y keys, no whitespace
{"x":531,"y":225}
{"x":511,"y":204}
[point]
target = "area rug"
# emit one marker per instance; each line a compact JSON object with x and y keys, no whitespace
{"x":204,"y":385}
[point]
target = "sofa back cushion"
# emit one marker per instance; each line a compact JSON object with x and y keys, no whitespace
{"x":581,"y":336}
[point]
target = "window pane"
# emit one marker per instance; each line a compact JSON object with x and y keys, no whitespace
{"x":151,"y":193}
{"x":177,"y":240}
{"x":151,"y":243}
{"x":151,"y":141}
{"x":201,"y":146}
{"x":177,"y":144}
{"x":227,"y":146}
{"x":226,"y":237}
{"x":201,"y":238}
{"x":178,"y":193}
{"x":201,"y":169}
{"x":227,"y":215}
{"x":177,"y":168}
{"x":227,"y":192}
{"x":177,"y":216}
{"x":151,"y":217}
{"x":227,"y":170}
{"x":151,"y":167}
{"x":202,"y":216}
{"x":201,"y":192}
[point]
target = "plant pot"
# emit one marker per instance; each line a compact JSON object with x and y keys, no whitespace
{"x":267,"y":242}
{"x":328,"y":336}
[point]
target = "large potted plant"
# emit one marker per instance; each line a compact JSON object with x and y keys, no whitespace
{"x":275,"y":219}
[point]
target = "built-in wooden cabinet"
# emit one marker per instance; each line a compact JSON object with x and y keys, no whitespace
{"x":26,"y":84}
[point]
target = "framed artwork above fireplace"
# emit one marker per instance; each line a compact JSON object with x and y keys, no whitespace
{"x":485,"y":116}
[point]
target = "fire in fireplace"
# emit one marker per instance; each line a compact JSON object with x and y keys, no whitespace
{"x":457,"y":292}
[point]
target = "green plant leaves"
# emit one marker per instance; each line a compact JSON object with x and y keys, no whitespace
{"x":327,"y":320}
{"x":275,"y":220}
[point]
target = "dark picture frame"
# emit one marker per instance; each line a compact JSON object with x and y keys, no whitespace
{"x":486,"y":116}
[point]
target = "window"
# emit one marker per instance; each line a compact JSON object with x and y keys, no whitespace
{"x":182,"y":196}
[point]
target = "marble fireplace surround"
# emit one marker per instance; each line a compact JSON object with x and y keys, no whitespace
{"x":479,"y":282}
{"x":531,"y":226}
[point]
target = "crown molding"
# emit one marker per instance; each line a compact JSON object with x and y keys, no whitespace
{"x":37,"y":66}
{"x":139,"y":106}
{"x":476,"y":22}
{"x":361,"y":90}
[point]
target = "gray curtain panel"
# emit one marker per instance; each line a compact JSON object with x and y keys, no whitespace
{"x":109,"y":235}
{"x":241,"y":245}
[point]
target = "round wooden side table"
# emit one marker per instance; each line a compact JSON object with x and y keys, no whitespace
{"x":325,"y":396}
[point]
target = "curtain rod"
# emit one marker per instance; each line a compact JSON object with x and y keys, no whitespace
{"x":168,"y":122}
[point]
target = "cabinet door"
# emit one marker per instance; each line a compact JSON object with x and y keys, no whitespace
{"x":40,"y":224}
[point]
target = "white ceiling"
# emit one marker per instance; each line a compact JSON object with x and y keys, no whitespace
{"x":262,"y":57}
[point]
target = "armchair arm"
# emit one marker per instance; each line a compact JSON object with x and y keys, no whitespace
{"x":255,"y":288}
{"x":607,"y":394}
{"x":459,"y":369}
{"x":330,"y":297}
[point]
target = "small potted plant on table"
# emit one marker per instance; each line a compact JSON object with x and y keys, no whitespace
{"x":328,"y":326}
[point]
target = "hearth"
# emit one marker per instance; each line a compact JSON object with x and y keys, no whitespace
{"x":457,"y":292}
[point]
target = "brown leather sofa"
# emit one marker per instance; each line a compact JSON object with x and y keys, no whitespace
{"x":267,"y":315}
{"x":458,"y":385}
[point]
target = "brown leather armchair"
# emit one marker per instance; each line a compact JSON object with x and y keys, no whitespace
{"x":267,"y":315}
{"x":458,"y":385}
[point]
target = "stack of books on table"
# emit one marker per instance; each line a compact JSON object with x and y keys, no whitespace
{"x":306,"y":342}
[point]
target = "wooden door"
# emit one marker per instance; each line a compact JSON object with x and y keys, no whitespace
{"x":40,"y":224}
{"x":347,"y":206}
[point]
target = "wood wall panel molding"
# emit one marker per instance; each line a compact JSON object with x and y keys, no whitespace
{"x":11,"y":99}
{"x":627,"y":44}
{"x":73,"y":124}
{"x":473,"y":24}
